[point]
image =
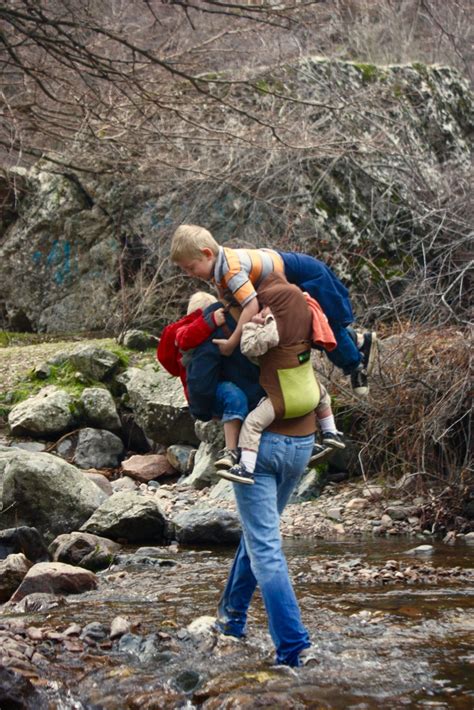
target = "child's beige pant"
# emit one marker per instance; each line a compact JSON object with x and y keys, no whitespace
{"x":262,"y":416}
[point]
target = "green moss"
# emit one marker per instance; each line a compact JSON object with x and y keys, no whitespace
{"x":369,"y":72}
{"x":419,"y":67}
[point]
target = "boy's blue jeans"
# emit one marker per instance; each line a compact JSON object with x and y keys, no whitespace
{"x":345,"y":355}
{"x":259,"y":558}
{"x":230,"y":402}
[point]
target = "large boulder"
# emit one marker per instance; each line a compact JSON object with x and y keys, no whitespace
{"x":129,"y":516}
{"x":99,"y":408}
{"x":83,"y":549}
{"x":51,"y":411}
{"x":211,"y":436}
{"x":98,"y":448}
{"x":26,"y":540}
{"x":206,"y":525}
{"x":60,"y":257}
{"x":55,"y":578}
{"x":94,"y":362}
{"x":12,"y":571}
{"x":159,"y":405}
{"x":45,"y":492}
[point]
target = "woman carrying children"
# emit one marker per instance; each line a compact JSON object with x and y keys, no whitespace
{"x":280,"y":337}
{"x":283,"y":454}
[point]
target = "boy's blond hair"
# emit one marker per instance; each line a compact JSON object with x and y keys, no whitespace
{"x":200,"y":299}
{"x":188,"y":242}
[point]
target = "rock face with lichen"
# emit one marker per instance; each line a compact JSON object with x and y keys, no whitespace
{"x":389,"y":137}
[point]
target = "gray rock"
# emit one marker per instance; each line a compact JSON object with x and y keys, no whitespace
{"x":96,"y":363}
{"x":181,"y":457}
{"x":159,"y":405}
{"x":129,"y":516}
{"x":124,"y":483}
{"x":99,"y":408}
{"x":34,"y":447}
{"x":204,"y":472}
{"x":51,"y":411}
{"x":42,"y":491}
{"x":138,"y":340}
{"x":98,"y":448}
{"x":26,"y":540}
{"x":309,"y":486}
{"x":83,"y":549}
{"x":12,"y":572}
{"x":207,"y":525}
{"x":223,"y":490}
{"x":211,"y":433}
{"x":421,"y":550}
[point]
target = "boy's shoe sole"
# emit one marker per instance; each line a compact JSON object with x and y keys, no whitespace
{"x":229,"y":476}
{"x":320,"y":456}
{"x":333,"y":443}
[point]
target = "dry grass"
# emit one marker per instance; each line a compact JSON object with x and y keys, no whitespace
{"x":415,"y":427}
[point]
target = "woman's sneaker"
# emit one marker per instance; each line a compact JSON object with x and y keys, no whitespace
{"x":333,"y":439}
{"x":237,"y":473}
{"x":320,"y":453}
{"x":226,"y":458}
{"x":309,"y":656}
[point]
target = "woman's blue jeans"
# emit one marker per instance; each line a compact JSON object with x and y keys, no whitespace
{"x":259,"y":558}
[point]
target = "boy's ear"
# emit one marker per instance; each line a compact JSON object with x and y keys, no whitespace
{"x":207,"y":253}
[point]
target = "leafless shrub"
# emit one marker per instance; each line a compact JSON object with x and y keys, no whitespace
{"x":416,"y":427}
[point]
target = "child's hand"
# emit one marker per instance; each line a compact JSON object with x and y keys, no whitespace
{"x":225,"y":346}
{"x":219,"y":316}
{"x":258,"y":319}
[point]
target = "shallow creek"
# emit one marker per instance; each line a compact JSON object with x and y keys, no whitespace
{"x":380,"y":644}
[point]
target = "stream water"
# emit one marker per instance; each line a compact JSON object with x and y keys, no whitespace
{"x":380,"y":645}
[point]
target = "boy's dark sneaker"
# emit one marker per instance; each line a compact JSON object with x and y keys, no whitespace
{"x":320,"y":454}
{"x":369,"y":351}
{"x":226,"y":458}
{"x":366,"y":344}
{"x":237,"y":473}
{"x":333,"y":439}
{"x":359,"y":382}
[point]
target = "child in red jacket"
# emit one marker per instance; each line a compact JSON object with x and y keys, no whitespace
{"x":175,"y":351}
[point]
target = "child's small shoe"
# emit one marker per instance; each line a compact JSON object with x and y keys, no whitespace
{"x":226,"y":458}
{"x":238,"y":474}
{"x":333,"y":439}
{"x":320,"y":453}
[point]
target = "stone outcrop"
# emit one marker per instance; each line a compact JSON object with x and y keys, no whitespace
{"x":51,"y":411}
{"x":128,"y":516}
{"x":207,"y":525}
{"x":59,"y":253}
{"x":158,"y":404}
{"x":83,"y":549}
{"x":99,"y":408}
{"x":42,"y":491}
{"x":12,"y":572}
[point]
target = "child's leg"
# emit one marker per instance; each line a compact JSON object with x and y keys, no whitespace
{"x":232,"y":429}
{"x":259,"y":419}
{"x":231,"y":406}
{"x":330,"y":435}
